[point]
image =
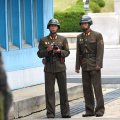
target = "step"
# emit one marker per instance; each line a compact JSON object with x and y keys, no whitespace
{"x":32,"y":99}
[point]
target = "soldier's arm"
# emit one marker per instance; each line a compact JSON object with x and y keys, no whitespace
{"x":77,"y":67}
{"x":100,"y":51}
{"x":65,"y":51}
{"x":42,"y":52}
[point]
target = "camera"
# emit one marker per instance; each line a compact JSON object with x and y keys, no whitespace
{"x":55,"y":47}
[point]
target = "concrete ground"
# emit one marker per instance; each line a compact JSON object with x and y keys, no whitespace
{"x":112,"y":106}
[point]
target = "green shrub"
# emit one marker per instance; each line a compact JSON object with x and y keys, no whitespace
{"x":94,"y":7}
{"x":101,"y":3}
{"x":69,"y":21}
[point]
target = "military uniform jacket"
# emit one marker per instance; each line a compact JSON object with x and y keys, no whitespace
{"x":89,"y":51}
{"x":52,"y":62}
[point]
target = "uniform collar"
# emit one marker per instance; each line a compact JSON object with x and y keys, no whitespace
{"x":87,"y":34}
{"x":53,"y":37}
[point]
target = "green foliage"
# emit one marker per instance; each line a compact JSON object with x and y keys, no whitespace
{"x":101,"y":3}
{"x":78,"y":7}
{"x":69,"y":21}
{"x":94,"y":7}
{"x":70,"y":18}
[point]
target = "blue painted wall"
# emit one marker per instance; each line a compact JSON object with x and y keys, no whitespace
{"x":3,"y":25}
{"x":28,"y":9}
{"x":46,"y":16}
{"x":40,"y":20}
{"x":16,"y":23}
{"x":21,"y":58}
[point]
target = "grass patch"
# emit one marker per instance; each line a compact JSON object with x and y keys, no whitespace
{"x":62,"y":5}
{"x":109,"y":7}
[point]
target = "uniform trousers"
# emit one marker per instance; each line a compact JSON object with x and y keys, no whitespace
{"x":92,"y":87}
{"x":50,"y":93}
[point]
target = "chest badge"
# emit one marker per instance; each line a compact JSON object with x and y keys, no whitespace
{"x":46,"y":43}
{"x":81,"y":41}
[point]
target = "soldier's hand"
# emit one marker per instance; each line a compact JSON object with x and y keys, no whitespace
{"x":97,"y":67}
{"x":43,"y":61}
{"x":77,"y":71}
{"x":57,"y":51}
{"x":49,"y":48}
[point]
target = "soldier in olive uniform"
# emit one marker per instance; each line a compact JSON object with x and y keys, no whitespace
{"x":89,"y":56}
{"x":53,"y":49}
{"x":5,"y":94}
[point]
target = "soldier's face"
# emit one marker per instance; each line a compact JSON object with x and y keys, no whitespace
{"x":53,"y":28}
{"x":85,"y":26}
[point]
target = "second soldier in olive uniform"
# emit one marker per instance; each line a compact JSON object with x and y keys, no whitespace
{"x":89,"y":55}
{"x":53,"y":49}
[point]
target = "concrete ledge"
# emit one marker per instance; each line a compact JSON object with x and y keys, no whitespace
{"x":69,"y":34}
{"x":27,"y":77}
{"x":32,"y":99}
